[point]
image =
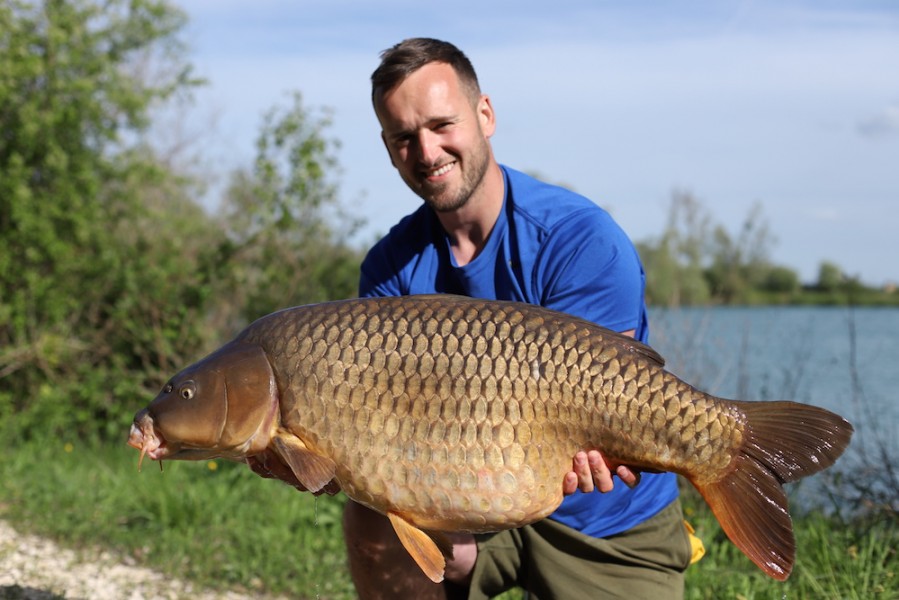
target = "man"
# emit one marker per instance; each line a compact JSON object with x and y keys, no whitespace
{"x":488,"y":231}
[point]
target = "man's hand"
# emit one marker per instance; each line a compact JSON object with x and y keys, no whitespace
{"x":589,"y":472}
{"x":267,"y":464}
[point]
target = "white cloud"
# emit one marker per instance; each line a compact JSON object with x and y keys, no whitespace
{"x":883,"y":124}
{"x":825,"y":213}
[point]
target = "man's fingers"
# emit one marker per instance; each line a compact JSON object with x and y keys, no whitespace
{"x":599,"y":471}
{"x":589,"y":472}
{"x":630,"y":478}
{"x":582,"y":469}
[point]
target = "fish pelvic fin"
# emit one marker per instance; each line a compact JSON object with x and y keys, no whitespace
{"x":783,"y":442}
{"x":312,"y":470}
{"x":429,"y":549}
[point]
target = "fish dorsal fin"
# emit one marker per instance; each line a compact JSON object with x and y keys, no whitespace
{"x":429,"y":550}
{"x":643,"y":350}
{"x":312,"y":470}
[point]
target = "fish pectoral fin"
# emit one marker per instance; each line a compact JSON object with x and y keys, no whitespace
{"x":312,"y":470}
{"x":429,"y":549}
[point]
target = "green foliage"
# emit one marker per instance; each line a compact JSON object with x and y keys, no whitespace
{"x":113,"y":277}
{"x":834,"y":287}
{"x":830,"y":277}
{"x":675,"y":262}
{"x":73,"y":333}
{"x":739,"y":264}
{"x":284,"y":219}
{"x":781,"y":280}
{"x":695,"y":261}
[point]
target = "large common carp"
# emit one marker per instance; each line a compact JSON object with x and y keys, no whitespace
{"x":454,"y":414}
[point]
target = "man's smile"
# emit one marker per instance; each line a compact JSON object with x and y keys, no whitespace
{"x":440,"y":171}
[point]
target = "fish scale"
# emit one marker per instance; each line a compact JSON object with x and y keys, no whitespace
{"x":384,"y":378}
{"x":455,"y":414}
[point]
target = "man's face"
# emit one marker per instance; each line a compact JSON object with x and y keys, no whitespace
{"x":437,"y":139}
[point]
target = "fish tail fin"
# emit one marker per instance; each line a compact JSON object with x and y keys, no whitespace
{"x":783,"y":442}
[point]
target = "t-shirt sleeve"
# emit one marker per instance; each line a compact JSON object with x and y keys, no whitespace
{"x":588,"y":267}
{"x":379,"y":276}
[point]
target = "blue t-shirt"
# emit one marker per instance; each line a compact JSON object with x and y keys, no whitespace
{"x":550,"y":247}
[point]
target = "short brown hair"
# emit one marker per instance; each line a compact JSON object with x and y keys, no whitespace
{"x":408,"y":56}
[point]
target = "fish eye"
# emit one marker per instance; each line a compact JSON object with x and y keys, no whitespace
{"x":187,"y":390}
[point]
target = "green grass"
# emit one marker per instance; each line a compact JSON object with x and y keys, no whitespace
{"x":214,"y":522}
{"x":834,"y":560}
{"x":222,"y":526}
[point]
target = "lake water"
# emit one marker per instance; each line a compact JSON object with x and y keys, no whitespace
{"x":843,"y":359}
{"x":806,"y":354}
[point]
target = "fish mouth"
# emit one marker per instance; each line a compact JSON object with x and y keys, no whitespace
{"x":151,"y":442}
{"x":145,"y":438}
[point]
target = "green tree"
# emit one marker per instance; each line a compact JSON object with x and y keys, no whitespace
{"x":285,"y":221}
{"x":739,"y":264}
{"x":782,"y":280}
{"x":696,"y":260}
{"x":675,"y":261}
{"x":830,"y":277}
{"x":74,"y":179}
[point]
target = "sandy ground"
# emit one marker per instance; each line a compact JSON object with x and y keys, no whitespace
{"x":32,"y":568}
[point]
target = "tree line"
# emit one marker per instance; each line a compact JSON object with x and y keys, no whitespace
{"x":113,"y":276}
{"x":697,"y":261}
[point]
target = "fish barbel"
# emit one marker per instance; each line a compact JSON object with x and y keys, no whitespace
{"x":448,"y":413}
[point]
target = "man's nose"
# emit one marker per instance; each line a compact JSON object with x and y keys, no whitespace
{"x":428,"y":147}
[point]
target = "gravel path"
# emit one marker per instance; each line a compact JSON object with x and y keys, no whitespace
{"x":33,"y":568}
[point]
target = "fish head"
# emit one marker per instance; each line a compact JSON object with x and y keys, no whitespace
{"x":224,"y":406}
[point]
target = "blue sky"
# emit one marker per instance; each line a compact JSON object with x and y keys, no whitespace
{"x":793,"y":104}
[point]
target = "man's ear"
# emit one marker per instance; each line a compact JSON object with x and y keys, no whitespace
{"x":386,"y":147}
{"x":486,"y":116}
